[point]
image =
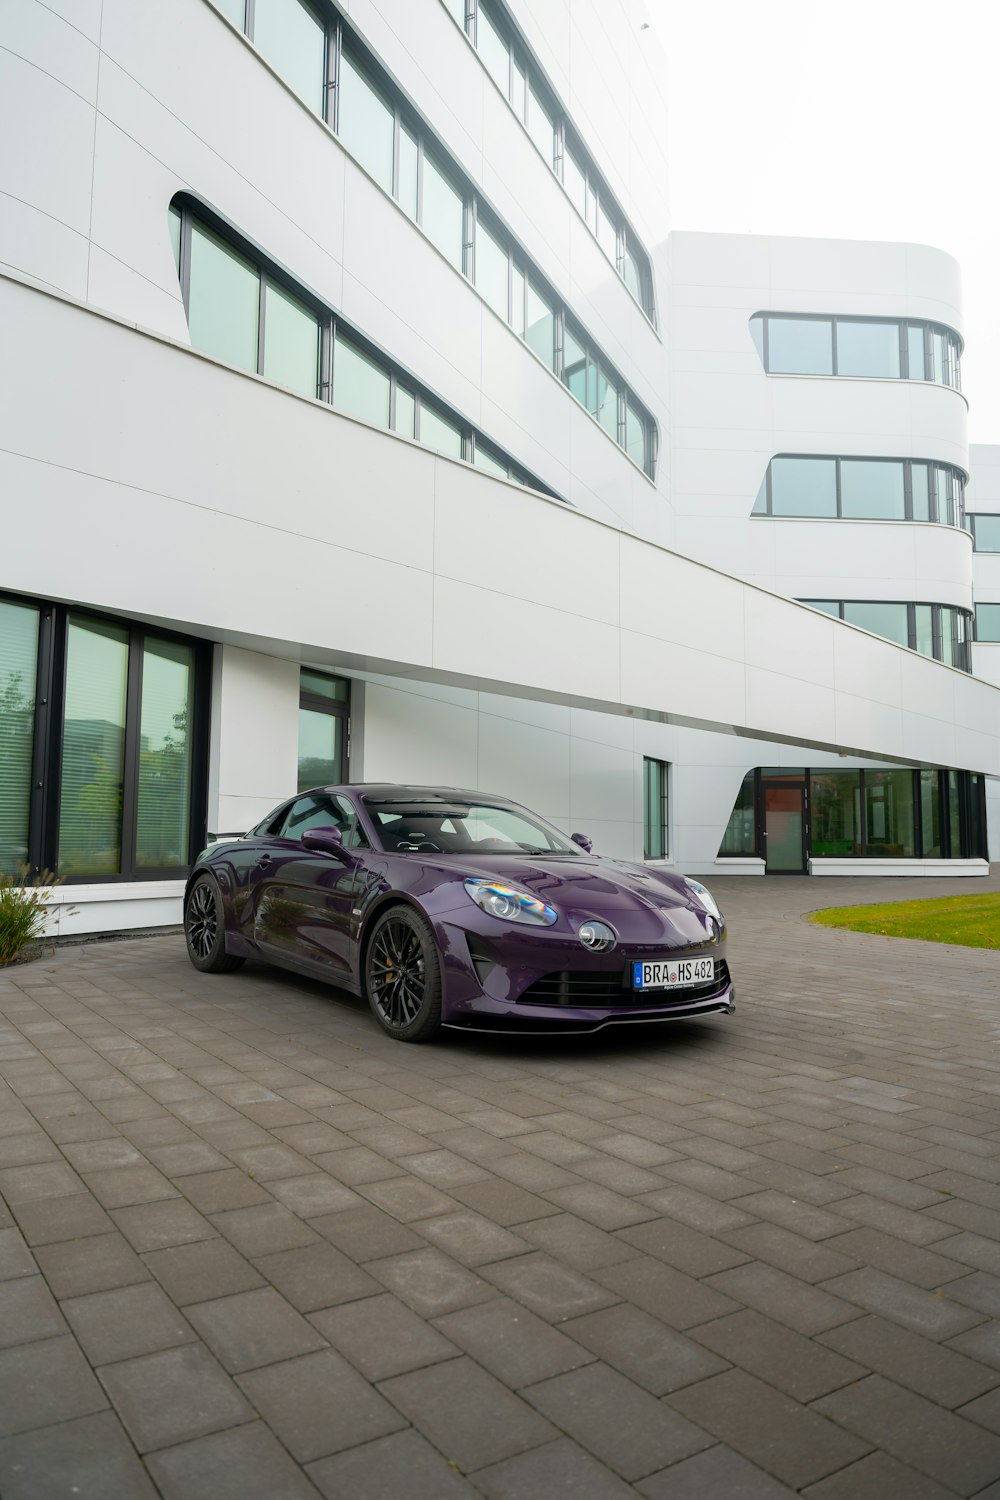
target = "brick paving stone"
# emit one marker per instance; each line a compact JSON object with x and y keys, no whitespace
{"x":314,"y":1194}
{"x":172,"y":1396}
{"x":49,"y":1179}
{"x":318,"y":1404}
{"x":512,"y":1343}
{"x":444,"y":1169}
{"x":683,"y":1248}
{"x":26,"y":1148}
{"x":118,"y":1187}
{"x":383,"y":1337}
{"x":695,"y":1209}
{"x":716,"y":1474}
{"x":915,"y":1308}
{"x":264,"y":1229}
{"x":599,"y":1205}
{"x":94,"y":1264}
{"x":878,"y":1477}
{"x":792,"y":1442}
{"x":955,"y":1452}
{"x":27,"y":1312}
{"x":185,"y":1158}
{"x":121,"y":1324}
{"x":312,"y":1138}
{"x":243,"y":1463}
{"x":357,"y":1166}
{"x":979,"y":1291}
{"x":984,"y":1409}
{"x":44,"y":1383}
{"x":404,"y":1464}
{"x":254,"y":1328}
{"x":15,"y":1257}
{"x":214,"y":1192}
{"x":805,"y":1219}
{"x":644,"y":1349}
{"x":154,"y":1226}
{"x":88,"y":1456}
{"x":430,"y":1282}
{"x":470,"y":1238}
{"x":408,"y":1198}
{"x":617,"y":1421}
{"x":504,"y":1202}
{"x":972,"y":1250}
{"x":268,"y":1162}
{"x":553,"y":1291}
{"x":679,"y":1300}
{"x":884,"y":1252}
{"x":805,"y":1258}
{"x":366,"y":1233}
{"x":894,"y":1188}
{"x":194,"y":1273}
{"x":93,"y":1156}
{"x":941,"y":1374}
{"x":316,"y":1276}
{"x":982,"y":1343}
{"x":800,"y":1367}
{"x":559,"y":1469}
{"x":805,"y":1308}
{"x":579,"y":1244}
{"x":466,"y":1413}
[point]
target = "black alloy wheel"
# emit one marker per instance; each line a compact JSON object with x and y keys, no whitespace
{"x":403,"y":975}
{"x":204,"y":929}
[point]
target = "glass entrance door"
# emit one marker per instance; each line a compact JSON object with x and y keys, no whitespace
{"x":784,"y":818}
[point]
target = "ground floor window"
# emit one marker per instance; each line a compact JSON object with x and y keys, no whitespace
{"x":655,"y":808}
{"x":103,"y":736}
{"x":324,"y":706}
{"x":863,"y":814}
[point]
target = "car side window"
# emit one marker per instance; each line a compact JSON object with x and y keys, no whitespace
{"x":320,"y":810}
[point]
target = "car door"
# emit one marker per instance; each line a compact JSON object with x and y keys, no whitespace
{"x":303,"y":900}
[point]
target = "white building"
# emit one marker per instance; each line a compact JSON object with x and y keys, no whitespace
{"x":361,"y":420}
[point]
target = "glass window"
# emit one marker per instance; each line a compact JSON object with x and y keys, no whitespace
{"x":236,"y":10}
{"x":490,"y":462}
{"x":836,"y":815}
{"x":921,"y":492}
{"x":868,"y":348}
{"x":635,"y":435}
{"x":540,"y":325}
{"x":406,"y":407}
{"x":915,"y":350}
{"x":360,"y":386}
{"x":575,"y":182}
{"x":930,"y":814}
{"x":889,"y":814}
{"x":223,"y":301}
{"x":18,"y":666}
{"x":365,"y":121}
{"x":174,"y":225}
{"x":954,"y":816}
{"x":607,"y":232}
{"x":873,"y":489}
{"x":294,"y":42}
{"x":437,"y":432}
{"x":956,"y":365}
{"x":940,"y":357}
{"x":493,"y":50}
{"x":803,"y":486}
{"x":321,"y":749}
{"x":760,"y":504}
{"x":947,"y":638}
{"x":987,"y":533}
{"x":825,"y":606}
{"x":888,"y":620}
{"x":607,"y":404}
{"x":740,"y":836}
{"x":924,"y":624}
{"x":988,"y":622}
{"x":457,"y":8}
{"x":517,"y":296}
{"x":800,"y":346}
{"x":492,"y":268}
{"x":163,"y":807}
{"x":93,"y":748}
{"x":406,"y":187}
{"x":540,"y":125}
{"x":518,"y":89}
{"x":654,"y":808}
{"x":631,"y":273}
{"x":318,"y":685}
{"x":945,"y":496}
{"x":443,"y":213}
{"x":291,"y":341}
{"x":575,"y":365}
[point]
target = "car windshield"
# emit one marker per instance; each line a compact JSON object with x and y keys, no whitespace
{"x":435,"y":826}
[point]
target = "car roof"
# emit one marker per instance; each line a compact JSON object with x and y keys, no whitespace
{"x":391,"y":791}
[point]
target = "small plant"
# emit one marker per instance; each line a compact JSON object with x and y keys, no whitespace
{"x":24,"y":909}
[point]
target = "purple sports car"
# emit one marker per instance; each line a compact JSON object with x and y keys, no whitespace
{"x":452,"y":908}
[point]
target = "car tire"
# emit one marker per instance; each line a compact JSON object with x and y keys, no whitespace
{"x":205,"y":929}
{"x":403,"y":975}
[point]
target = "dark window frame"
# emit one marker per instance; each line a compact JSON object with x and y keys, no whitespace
{"x":960,"y":648}
{"x":655,"y":818}
{"x":971,"y":518}
{"x":987,"y":640}
{"x":954,"y":343}
{"x":49,"y":719}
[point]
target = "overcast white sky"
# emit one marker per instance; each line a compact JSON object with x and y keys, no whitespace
{"x":860,"y":119}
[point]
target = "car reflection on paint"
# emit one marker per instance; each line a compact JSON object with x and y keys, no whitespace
{"x":454,"y":908}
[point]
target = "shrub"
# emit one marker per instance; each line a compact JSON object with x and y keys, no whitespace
{"x":24,"y":910}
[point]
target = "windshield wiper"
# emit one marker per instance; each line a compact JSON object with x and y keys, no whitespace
{"x":551,"y":853}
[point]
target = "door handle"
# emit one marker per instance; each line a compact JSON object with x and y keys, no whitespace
{"x":263,"y":862}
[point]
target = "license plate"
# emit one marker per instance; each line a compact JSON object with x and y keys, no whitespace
{"x":671,"y":973}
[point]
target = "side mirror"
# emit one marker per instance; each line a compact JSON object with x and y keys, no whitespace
{"x":584,"y":841}
{"x":323,"y":840}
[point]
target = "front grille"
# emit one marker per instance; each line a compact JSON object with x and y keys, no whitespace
{"x":583,"y":989}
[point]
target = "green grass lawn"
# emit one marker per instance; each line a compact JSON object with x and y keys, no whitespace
{"x":971,"y":921}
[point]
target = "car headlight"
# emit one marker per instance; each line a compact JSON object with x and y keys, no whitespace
{"x":510,"y":903}
{"x":704,"y":897}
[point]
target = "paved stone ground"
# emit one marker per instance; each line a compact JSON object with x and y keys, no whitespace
{"x":252,"y":1250}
